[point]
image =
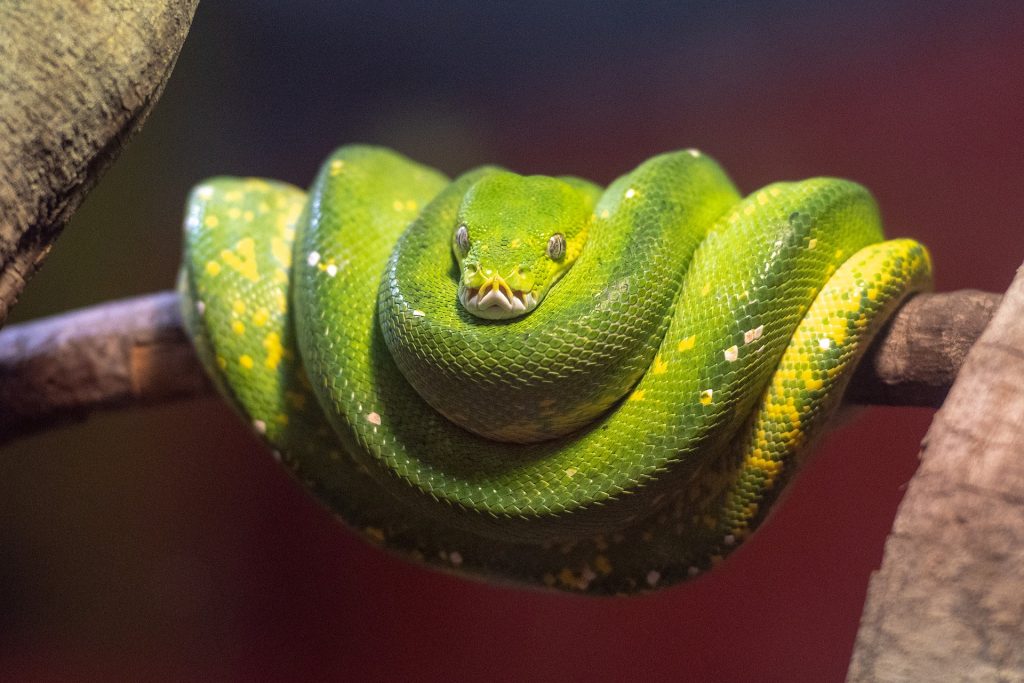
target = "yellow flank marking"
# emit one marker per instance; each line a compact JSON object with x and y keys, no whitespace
{"x":263,"y":207}
{"x":749,"y":209}
{"x":281,"y":252}
{"x":398,"y":205}
{"x":707,"y":396}
{"x":602,"y":565}
{"x":238,"y":306}
{"x":373,"y":533}
{"x":237,"y":327}
{"x":281,"y":419}
{"x":233,"y":196}
{"x":336,"y":167}
{"x":272,"y":343}
{"x":775,"y":192}
{"x":260,"y":318}
{"x":706,"y":289}
{"x":811,"y":382}
{"x":637,"y":395}
{"x":514,"y":243}
{"x":234,"y":213}
{"x":605,"y":213}
{"x":762,"y":198}
{"x":212,"y":268}
{"x":688,"y":343}
{"x":660,"y":366}
{"x":248,"y":216}
{"x":211,"y":221}
{"x":257,"y":184}
{"x":245,"y":360}
{"x":571,"y":472}
{"x":243,"y":259}
{"x":411,"y":205}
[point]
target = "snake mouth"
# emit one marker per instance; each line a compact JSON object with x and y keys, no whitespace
{"x":496,"y":302}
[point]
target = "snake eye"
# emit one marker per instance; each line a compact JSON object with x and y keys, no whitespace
{"x":462,"y":238}
{"x":556,"y":246}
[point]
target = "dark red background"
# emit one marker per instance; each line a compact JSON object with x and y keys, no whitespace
{"x":164,"y":543}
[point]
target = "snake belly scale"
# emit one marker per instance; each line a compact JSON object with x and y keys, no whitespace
{"x":536,"y":380}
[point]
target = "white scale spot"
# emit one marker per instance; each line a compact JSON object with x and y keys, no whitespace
{"x":260,"y":426}
{"x":200,"y":307}
{"x":455,"y":557}
{"x":418,"y":313}
{"x":729,"y":539}
{"x":653,"y":577}
{"x":630,"y":193}
{"x":753,"y":335}
{"x":313,"y":258}
{"x":693,"y":571}
{"x":693,"y":153}
{"x":204,"y":192}
{"x":825,"y":343}
{"x":277,"y":455}
{"x":732,"y":353}
{"x":373,"y":418}
{"x":332,"y":270}
{"x":812,"y":243}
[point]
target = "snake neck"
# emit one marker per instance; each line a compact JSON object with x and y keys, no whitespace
{"x":596,"y":332}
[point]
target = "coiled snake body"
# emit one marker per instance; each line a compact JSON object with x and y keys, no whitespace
{"x":532,"y":379}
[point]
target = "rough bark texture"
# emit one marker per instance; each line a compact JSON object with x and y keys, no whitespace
{"x":135,"y":352}
{"x":948,"y":602}
{"x":60,"y":369}
{"x":77,"y":78}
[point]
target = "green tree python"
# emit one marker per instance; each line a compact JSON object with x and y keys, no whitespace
{"x":534,"y":380}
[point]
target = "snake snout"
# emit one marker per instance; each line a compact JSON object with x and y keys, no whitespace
{"x":495,"y":299}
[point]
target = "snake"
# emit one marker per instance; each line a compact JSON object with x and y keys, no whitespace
{"x":534,"y":380}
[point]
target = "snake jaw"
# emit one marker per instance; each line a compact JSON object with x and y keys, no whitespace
{"x":495,"y":300}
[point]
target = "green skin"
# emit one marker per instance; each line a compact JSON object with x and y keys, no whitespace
{"x":625,"y":431}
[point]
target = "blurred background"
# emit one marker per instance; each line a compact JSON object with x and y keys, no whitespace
{"x":166,"y":544}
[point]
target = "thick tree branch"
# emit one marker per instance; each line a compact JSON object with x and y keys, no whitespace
{"x":135,"y":352}
{"x":77,"y":79}
{"x":947,"y":603}
{"x":116,"y":355}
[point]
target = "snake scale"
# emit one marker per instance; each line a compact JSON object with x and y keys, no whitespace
{"x":535,"y":380}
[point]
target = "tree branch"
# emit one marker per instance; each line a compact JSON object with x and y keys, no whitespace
{"x":76,"y":80}
{"x":947,"y":603}
{"x":135,"y":352}
{"x":111,"y":356}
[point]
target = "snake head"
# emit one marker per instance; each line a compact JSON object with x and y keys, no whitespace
{"x":516,"y":236}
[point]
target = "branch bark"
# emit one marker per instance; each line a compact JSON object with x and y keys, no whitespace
{"x":135,"y":352}
{"x":77,"y":78}
{"x":947,"y":602}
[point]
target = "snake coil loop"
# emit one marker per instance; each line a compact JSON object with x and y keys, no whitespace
{"x":673,"y":352}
